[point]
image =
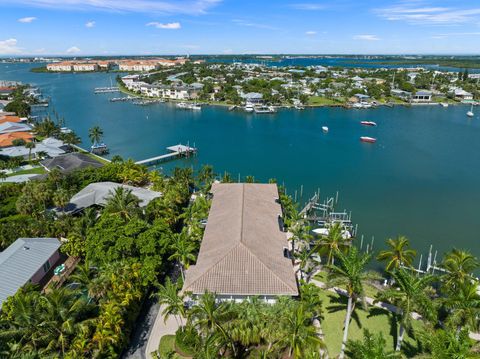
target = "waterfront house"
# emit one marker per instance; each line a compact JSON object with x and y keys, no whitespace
{"x":70,"y":162}
{"x":461,"y":94}
{"x":422,"y":96}
{"x":244,"y":252}
{"x":7,"y":139}
{"x":27,"y":260}
{"x":253,"y":98}
{"x":96,"y":194}
{"x":404,"y":95}
{"x":49,"y":146}
{"x":8,"y":127}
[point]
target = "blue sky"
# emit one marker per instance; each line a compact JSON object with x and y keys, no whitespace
{"x":113,"y":27}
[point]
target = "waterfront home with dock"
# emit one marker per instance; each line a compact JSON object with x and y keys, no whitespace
{"x":27,"y":260}
{"x":244,"y":251}
{"x":422,"y":96}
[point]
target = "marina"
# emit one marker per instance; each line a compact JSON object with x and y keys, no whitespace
{"x":391,"y":187}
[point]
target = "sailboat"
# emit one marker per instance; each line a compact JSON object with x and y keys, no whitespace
{"x":470,"y":113}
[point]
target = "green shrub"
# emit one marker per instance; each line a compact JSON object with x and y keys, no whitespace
{"x":186,"y":340}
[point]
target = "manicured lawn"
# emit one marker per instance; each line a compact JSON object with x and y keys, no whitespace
{"x":322,"y":101}
{"x":167,"y":344}
{"x":375,"y":319}
{"x":36,"y":170}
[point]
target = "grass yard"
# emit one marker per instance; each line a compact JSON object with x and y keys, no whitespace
{"x":322,"y":101}
{"x":36,"y":171}
{"x":375,"y":319}
{"x":167,"y":345}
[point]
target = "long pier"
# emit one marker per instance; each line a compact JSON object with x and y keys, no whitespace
{"x":175,"y":152}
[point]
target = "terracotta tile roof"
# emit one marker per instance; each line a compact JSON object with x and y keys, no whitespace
{"x":7,"y":139}
{"x":242,"y":248}
{"x":8,"y":118}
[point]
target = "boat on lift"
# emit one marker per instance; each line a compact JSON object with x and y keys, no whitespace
{"x":368,"y":139}
{"x":368,"y":123}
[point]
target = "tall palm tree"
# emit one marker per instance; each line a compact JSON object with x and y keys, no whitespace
{"x":183,"y":251}
{"x":447,"y":343}
{"x":61,"y":198}
{"x":410,"y":294}
{"x":397,"y":254}
{"x":332,"y":243}
{"x":123,"y":203}
{"x":459,"y":265}
{"x":30,"y":146}
{"x":206,"y":176}
{"x":350,"y":273}
{"x":95,"y":134}
{"x":71,"y":138}
{"x":172,"y":301}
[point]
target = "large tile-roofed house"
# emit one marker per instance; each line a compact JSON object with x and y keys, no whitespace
{"x":26,"y":260}
{"x":70,"y":162}
{"x":243,"y":251}
{"x":98,"y":193}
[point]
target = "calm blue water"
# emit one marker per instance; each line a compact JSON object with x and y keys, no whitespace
{"x":420,"y":179}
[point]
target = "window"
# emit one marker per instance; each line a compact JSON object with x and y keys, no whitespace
{"x":46,"y":266}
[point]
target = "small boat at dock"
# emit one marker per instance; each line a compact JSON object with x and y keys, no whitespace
{"x":368,"y":139}
{"x":325,"y":129}
{"x":264,"y":109}
{"x":368,"y":123}
{"x":444,"y":104}
{"x":188,"y":106}
{"x":99,"y":148}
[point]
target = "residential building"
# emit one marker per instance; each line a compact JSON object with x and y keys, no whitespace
{"x":138,"y":65}
{"x":404,"y":95}
{"x":244,"y":251}
{"x":70,"y":162}
{"x":96,"y":194}
{"x":461,"y":94}
{"x":7,"y":139}
{"x":27,"y":260}
{"x":65,"y":66}
{"x":85,"y":66}
{"x":422,"y":96}
{"x":8,"y":127}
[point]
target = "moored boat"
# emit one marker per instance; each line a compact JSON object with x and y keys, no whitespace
{"x":470,"y":113}
{"x":368,"y":123}
{"x":368,"y":139}
{"x":325,"y":129}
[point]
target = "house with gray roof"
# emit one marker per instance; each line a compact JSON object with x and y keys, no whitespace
{"x":70,"y":162}
{"x":97,"y":194}
{"x":27,"y":260}
{"x":244,"y":251}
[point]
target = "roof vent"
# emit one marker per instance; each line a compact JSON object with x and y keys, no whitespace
{"x":26,"y":248}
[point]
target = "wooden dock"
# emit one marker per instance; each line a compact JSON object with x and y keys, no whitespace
{"x":175,"y":152}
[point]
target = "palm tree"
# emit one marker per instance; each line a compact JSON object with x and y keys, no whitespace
{"x":95,"y":134}
{"x":373,"y":346}
{"x":71,"y":138}
{"x":459,"y":265}
{"x":445,"y":343}
{"x":30,"y":145}
{"x":301,"y":336}
{"x":183,"y":251}
{"x":398,"y":253}
{"x":123,"y":203}
{"x":332,"y":243}
{"x":411,"y":294}
{"x":350,"y":273}
{"x":61,"y":198}
{"x":169,"y":297}
{"x":463,"y":306}
{"x":206,"y":176}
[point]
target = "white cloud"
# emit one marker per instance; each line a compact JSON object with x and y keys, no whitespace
{"x":168,"y":26}
{"x":253,"y":24}
{"x":366,"y":37}
{"x":9,"y":47}
{"x":73,"y":50}
{"x":90,"y":24}
{"x":227,"y":51}
{"x":310,"y":33}
{"x":192,"y":7}
{"x":308,"y":6}
{"x":420,"y":13}
{"x":27,"y":20}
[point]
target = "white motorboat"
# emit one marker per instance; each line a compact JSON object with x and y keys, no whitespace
{"x":264,"y":109}
{"x":325,"y":231}
{"x":444,"y":104}
{"x":249,"y":108}
{"x":325,"y":129}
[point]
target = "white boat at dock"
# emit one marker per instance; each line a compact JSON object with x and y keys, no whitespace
{"x":264,"y":109}
{"x":249,"y":108}
{"x":325,"y":231}
{"x":189,"y":106}
{"x":444,"y":104}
